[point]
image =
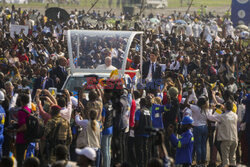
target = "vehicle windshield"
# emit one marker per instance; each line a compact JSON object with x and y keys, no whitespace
{"x":74,"y":83}
{"x":100,"y":50}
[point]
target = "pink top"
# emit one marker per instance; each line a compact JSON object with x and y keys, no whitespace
{"x":22,"y":117}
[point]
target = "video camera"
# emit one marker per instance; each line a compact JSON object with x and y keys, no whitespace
{"x":155,"y":134}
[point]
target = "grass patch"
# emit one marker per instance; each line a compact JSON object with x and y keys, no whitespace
{"x":104,"y":4}
{"x":198,"y":3}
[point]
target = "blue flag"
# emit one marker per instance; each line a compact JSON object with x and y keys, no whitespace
{"x":240,"y":13}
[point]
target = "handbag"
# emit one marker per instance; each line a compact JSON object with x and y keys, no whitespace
{"x":82,"y":140}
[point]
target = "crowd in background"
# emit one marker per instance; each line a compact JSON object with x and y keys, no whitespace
{"x":195,"y":89}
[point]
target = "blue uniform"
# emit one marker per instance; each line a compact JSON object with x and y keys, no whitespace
{"x":156,"y":116}
{"x":184,"y":146}
{"x":2,"y":120}
{"x":31,"y":150}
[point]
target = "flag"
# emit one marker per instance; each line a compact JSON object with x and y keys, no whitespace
{"x":240,"y":12}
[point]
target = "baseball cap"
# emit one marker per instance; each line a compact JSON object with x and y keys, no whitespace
{"x":87,"y":152}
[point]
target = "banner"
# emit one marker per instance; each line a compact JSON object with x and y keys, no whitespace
{"x":240,"y":12}
{"x":16,"y":1}
{"x":17,"y":29}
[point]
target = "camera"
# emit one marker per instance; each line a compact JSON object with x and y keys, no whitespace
{"x":23,"y":91}
{"x":12,"y":126}
{"x":155,"y":135}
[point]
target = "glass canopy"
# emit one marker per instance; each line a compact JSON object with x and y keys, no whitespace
{"x":92,"y":51}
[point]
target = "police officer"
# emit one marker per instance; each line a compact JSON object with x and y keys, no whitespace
{"x":184,"y":144}
{"x":2,"y":120}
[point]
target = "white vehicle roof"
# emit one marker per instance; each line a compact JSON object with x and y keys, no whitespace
{"x":88,"y":49}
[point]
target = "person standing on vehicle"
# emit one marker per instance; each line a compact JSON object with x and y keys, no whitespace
{"x":59,"y":73}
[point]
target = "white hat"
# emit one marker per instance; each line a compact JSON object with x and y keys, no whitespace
{"x":87,"y":152}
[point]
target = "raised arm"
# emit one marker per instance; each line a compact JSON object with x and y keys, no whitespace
{"x":82,"y":123}
{"x":45,"y":116}
{"x":50,"y":96}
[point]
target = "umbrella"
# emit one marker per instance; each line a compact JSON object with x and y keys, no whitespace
{"x":90,"y":21}
{"x":242,"y":27}
{"x":154,"y":20}
{"x":180,"y":22}
{"x":57,"y":14}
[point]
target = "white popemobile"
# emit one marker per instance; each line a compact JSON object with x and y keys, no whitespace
{"x":93,"y":52}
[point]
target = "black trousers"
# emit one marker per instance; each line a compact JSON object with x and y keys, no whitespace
{"x":119,"y":148}
{"x":131,"y":151}
{"x":142,"y":150}
{"x":248,"y":143}
{"x":211,"y":131}
{"x":20,"y":150}
{"x":6,"y":145}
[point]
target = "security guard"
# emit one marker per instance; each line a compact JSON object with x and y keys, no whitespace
{"x":184,"y":144}
{"x":2,"y":120}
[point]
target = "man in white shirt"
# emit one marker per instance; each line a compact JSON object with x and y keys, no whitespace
{"x":189,"y":31}
{"x":227,"y":133}
{"x":207,"y":30}
{"x":107,"y":65}
{"x":230,"y":30}
{"x":197,"y":29}
{"x":232,"y":87}
{"x":175,"y":65}
{"x":66,"y":109}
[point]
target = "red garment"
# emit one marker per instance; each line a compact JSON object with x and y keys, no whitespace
{"x":131,"y":74}
{"x":165,"y":98}
{"x":22,"y":117}
{"x":132,"y":114}
{"x":23,"y":58}
{"x":30,"y":32}
{"x":179,"y":98}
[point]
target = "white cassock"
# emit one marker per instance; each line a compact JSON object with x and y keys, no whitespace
{"x":197,"y":29}
{"x":229,"y":30}
{"x":207,"y":31}
{"x":214,"y":29}
{"x":189,"y":31}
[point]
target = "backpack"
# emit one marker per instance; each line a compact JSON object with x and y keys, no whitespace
{"x":35,"y":127}
{"x":82,"y":140}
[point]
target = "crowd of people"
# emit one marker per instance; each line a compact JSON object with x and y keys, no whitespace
{"x":194,"y":90}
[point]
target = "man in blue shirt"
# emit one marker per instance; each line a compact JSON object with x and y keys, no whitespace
{"x":184,"y":144}
{"x":156,"y":115}
{"x":2,"y":120}
{"x":142,"y":121}
{"x":107,"y":120}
